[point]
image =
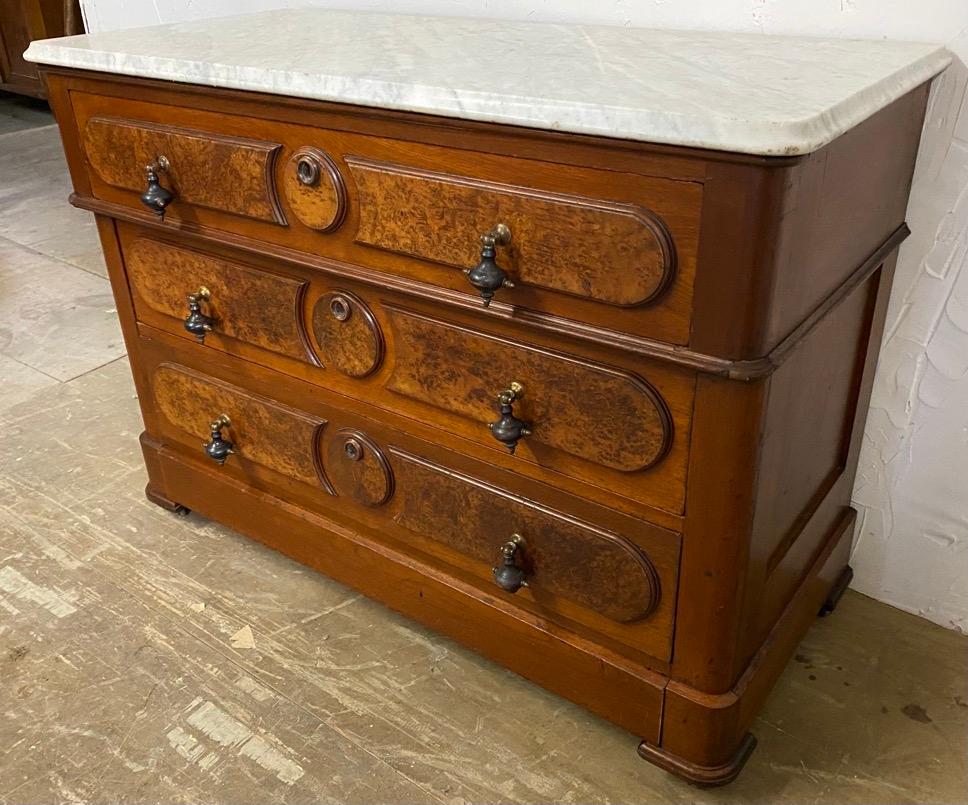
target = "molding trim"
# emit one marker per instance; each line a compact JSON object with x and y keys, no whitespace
{"x":743,"y":370}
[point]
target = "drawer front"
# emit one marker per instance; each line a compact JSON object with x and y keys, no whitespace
{"x":613,"y":249}
{"x":204,"y":169}
{"x":621,"y":429}
{"x":620,"y":254}
{"x":576,"y":571}
{"x":244,"y":304}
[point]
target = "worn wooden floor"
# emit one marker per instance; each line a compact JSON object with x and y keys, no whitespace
{"x":150,"y":658}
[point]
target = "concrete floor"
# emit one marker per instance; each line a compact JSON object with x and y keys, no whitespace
{"x":150,"y":658}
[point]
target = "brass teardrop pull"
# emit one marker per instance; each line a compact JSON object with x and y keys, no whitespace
{"x":487,"y":276}
{"x":156,"y":197}
{"x":508,"y":574}
{"x":218,"y":448}
{"x":196,"y":322}
{"x":508,"y":429}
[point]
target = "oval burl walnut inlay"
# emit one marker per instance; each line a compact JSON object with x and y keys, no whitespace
{"x":594,"y":412}
{"x":594,"y":568}
{"x":262,"y":431}
{"x":314,"y":189}
{"x":217,"y":171}
{"x":348,"y":336}
{"x":357,"y":468}
{"x":621,"y":254}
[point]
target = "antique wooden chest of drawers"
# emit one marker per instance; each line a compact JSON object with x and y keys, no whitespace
{"x":585,"y":393}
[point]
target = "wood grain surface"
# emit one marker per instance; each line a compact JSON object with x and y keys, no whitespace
{"x":349,"y":337}
{"x":211,"y":170}
{"x":589,"y":411}
{"x":562,"y":557}
{"x":320,"y":204}
{"x":246,"y":305}
{"x":613,"y":253}
{"x":261,"y":430}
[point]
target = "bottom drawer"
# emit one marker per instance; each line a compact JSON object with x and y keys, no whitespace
{"x":608,"y":684}
{"x":598,"y":572}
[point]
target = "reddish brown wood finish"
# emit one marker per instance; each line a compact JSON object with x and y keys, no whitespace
{"x":212,"y":171}
{"x":590,"y":413}
{"x":620,"y":254}
{"x":684,"y":498}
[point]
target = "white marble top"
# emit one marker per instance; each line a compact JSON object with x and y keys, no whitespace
{"x":749,"y":93}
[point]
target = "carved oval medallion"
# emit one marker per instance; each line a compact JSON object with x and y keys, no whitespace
{"x":357,"y":468}
{"x":314,"y":189}
{"x":348,"y":335}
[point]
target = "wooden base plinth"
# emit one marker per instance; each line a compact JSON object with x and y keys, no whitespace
{"x":703,"y":776}
{"x":168,"y":505}
{"x":837,"y":591}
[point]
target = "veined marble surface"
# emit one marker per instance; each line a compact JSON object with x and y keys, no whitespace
{"x":748,"y":93}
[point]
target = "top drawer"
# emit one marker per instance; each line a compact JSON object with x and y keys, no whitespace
{"x":612,"y":249}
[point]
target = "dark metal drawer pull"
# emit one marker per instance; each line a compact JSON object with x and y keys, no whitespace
{"x":196,"y":322}
{"x":156,"y":197}
{"x":487,"y":276}
{"x":217,"y":448}
{"x":509,"y":430}
{"x":508,"y":575}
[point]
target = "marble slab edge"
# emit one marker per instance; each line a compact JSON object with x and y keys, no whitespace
{"x":762,"y":137}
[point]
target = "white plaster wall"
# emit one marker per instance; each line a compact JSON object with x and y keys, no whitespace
{"x":912,"y":488}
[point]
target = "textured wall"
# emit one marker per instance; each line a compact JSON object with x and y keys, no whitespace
{"x":912,"y":489}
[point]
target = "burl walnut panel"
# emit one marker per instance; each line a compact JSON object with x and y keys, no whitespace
{"x":314,"y":189}
{"x":217,"y":171}
{"x":245,"y":304}
{"x":275,"y":436}
{"x":348,"y":336}
{"x":562,"y":557}
{"x":358,"y":468}
{"x":593,"y":412}
{"x":621,"y":254}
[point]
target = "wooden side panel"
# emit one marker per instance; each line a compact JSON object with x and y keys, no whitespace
{"x":841,"y":204}
{"x":562,"y":557}
{"x":263,"y":432}
{"x":621,"y":254}
{"x":850,"y":339}
{"x":245,"y":304}
{"x":592,"y":412}
{"x":207,"y":169}
{"x":807,"y":426}
{"x":778,"y":239}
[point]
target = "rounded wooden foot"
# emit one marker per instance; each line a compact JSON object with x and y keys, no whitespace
{"x":168,"y":505}
{"x":696,"y":774}
{"x":836,"y":592}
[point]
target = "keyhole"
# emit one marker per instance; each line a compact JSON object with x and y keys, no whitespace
{"x":340,"y":308}
{"x":307,"y":171}
{"x":353,"y":450}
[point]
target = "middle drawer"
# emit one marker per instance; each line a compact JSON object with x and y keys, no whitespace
{"x":597,"y":421}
